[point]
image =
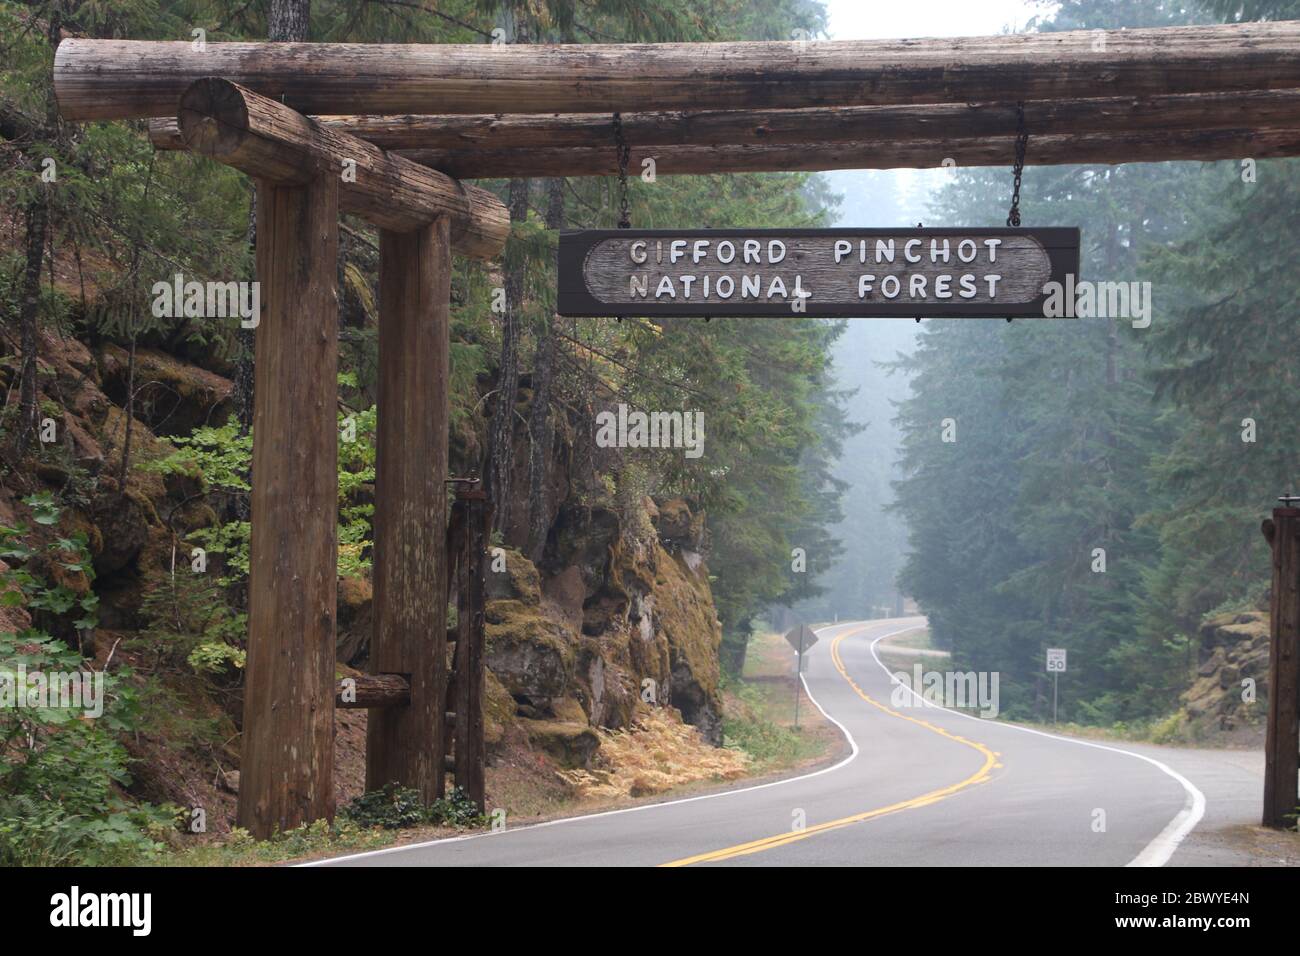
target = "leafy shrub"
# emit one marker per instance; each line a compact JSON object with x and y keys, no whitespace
{"x":456,"y":810}
{"x":62,"y":769}
{"x":216,"y":657}
{"x":395,"y":808}
{"x":220,"y":458}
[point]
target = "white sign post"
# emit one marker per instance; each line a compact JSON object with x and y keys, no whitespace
{"x":1055,"y":667}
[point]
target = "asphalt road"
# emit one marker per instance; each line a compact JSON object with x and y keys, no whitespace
{"x":923,"y":786}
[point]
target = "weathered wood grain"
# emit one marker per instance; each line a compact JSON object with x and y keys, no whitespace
{"x":121,"y":79}
{"x":375,"y":690}
{"x":405,"y":744}
{"x":470,"y":678}
{"x":288,"y":733}
{"x":814,"y":272}
{"x":1094,"y":148}
{"x":269,"y":140}
{"x":1282,"y":738}
{"x":1255,"y":110}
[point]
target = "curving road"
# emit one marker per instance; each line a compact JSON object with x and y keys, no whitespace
{"x":922,"y":786}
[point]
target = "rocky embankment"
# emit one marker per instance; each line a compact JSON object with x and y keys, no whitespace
{"x":607,"y":620}
{"x":1233,"y":653}
{"x":614,"y":616}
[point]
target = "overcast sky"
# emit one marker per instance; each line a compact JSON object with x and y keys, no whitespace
{"x":878,"y":19}
{"x":903,"y":192}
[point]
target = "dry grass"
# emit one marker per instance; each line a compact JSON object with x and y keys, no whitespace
{"x":657,"y":753}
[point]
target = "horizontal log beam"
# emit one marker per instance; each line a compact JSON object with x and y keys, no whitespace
{"x":123,"y":79}
{"x":376,"y":690}
{"x":1151,"y":147}
{"x":266,"y":139}
{"x":1255,"y":110}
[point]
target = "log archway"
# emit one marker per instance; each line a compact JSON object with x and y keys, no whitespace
{"x":1150,"y":95}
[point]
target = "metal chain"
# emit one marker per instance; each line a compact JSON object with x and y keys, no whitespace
{"x":1022,"y":143}
{"x":624,"y":154}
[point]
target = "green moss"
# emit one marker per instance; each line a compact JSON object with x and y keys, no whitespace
{"x":530,"y":654}
{"x":571,"y":743}
{"x":518,"y":582}
{"x":685,"y":613}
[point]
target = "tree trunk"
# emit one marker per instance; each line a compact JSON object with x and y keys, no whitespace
{"x":287,"y":22}
{"x":500,"y":446}
{"x":540,"y":425}
{"x":735,"y":648}
{"x":37,"y":225}
{"x":243,"y":391}
{"x":130,"y":413}
{"x":38,"y":229}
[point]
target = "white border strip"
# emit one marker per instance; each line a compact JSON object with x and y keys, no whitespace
{"x":1160,"y":849}
{"x":853,"y":744}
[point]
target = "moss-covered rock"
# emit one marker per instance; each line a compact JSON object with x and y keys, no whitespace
{"x":173,"y":396}
{"x":679,"y":525}
{"x":685,"y":615}
{"x":1233,"y":650}
{"x":528,"y":652}
{"x":516,"y":581}
{"x":584,"y":537}
{"x":571,"y":743}
{"x":123,"y":523}
{"x":498,"y":711}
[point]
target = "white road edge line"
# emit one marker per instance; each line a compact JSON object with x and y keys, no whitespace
{"x":1159,"y":850}
{"x":645,"y":806}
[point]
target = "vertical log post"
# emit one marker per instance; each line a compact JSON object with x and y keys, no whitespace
{"x":288,"y":734}
{"x":404,"y":745}
{"x":469,"y":650}
{"x":1282,"y":744}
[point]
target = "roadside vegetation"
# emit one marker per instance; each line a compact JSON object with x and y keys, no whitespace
{"x":760,"y":712}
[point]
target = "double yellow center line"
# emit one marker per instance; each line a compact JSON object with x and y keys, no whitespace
{"x":925,"y":799}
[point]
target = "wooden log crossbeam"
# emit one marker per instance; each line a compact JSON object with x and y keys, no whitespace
{"x":877,"y":125}
{"x":1205,"y":143}
{"x":268,"y":140}
{"x":1103,"y":149}
{"x":373,"y":690}
{"x":125,"y":79}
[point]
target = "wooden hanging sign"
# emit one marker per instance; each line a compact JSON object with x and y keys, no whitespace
{"x":850,"y":273}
